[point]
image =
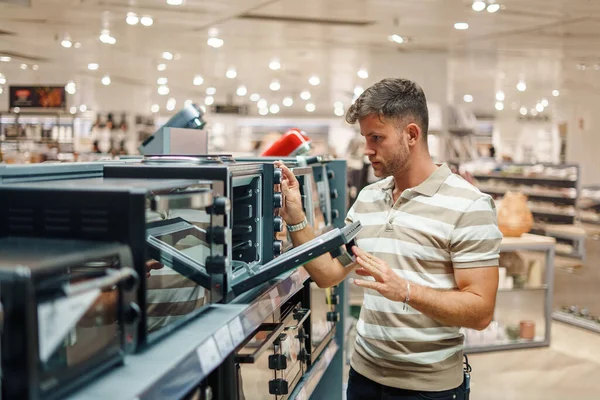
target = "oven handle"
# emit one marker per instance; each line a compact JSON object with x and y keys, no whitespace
{"x":305,"y":313}
{"x":164,"y":202}
{"x":112,"y":278}
{"x":275,"y":329}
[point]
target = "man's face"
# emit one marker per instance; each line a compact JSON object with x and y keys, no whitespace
{"x":386,"y":146}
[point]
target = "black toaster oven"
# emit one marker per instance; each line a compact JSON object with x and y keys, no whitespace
{"x":69,"y":313}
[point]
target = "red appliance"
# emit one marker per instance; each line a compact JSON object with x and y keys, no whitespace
{"x":294,"y":142}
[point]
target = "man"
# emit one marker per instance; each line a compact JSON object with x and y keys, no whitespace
{"x":428,"y":253}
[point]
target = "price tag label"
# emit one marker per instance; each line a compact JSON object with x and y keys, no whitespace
{"x":208,"y":354}
{"x":223,"y":339}
{"x":237,"y":331}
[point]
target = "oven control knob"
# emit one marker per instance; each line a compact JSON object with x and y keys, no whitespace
{"x":301,"y":334}
{"x":335,"y":214}
{"x":217,"y":235}
{"x":216,"y":264}
{"x":277,"y":174}
{"x":333,"y":316}
{"x":277,"y":200}
{"x":132,"y":313}
{"x":277,"y":247}
{"x":304,"y":356}
{"x":330,"y":174}
{"x":334,"y":300}
{"x":277,"y":224}
{"x":220,"y":206}
{"x":277,"y":362}
{"x":333,"y":193}
{"x":278,"y":387}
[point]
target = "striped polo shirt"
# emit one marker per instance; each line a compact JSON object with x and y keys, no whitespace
{"x":442,"y":224}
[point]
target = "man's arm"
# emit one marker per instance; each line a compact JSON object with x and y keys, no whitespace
{"x":324,"y":270}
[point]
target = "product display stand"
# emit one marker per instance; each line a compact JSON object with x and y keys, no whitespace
{"x":533,"y":243}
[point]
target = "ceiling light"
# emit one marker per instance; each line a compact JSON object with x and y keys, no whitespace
{"x":362,"y":73}
{"x":35,"y":67}
{"x":396,"y":38}
{"x":155,"y":108}
{"x":198,"y":80}
{"x":77,"y":45}
{"x":66,"y":43}
{"x":147,"y":20}
{"x":500,"y":95}
{"x":338,"y":111}
{"x":358,"y":90}
{"x":521,"y":86}
{"x":211,"y":91}
{"x":254,"y":97}
{"x":274,"y":109}
{"x":478,"y":5}
{"x":5,"y":59}
{"x":262,"y":103}
{"x":275,"y":86}
{"x":17,"y":110}
{"x":545,"y":102}
{"x":171,"y":103}
{"x":499,"y":106}
{"x":132,"y":18}
{"x":161,"y":67}
{"x":167,"y":55}
{"x":83,"y":108}
{"x":493,"y":7}
{"x":93,"y":66}
{"x":23,"y":66}
{"x":2,"y":79}
{"x":231,"y":73}
{"x":314,"y":80}
{"x":275,"y":65}
{"x":215,"y":42}
{"x":533,"y":112}
{"x":310,"y":107}
{"x":539,"y":107}
{"x":70,"y":87}
{"x":174,"y":2}
{"x":106,"y":80}
{"x":209,"y":100}
{"x":162,"y":81}
{"x":338,"y":104}
{"x":461,"y":26}
{"x":523,"y":111}
{"x":555,"y":93}
{"x":288,"y":102}
{"x":106,"y":38}
{"x":241,"y":91}
{"x":73,"y":110}
{"x":305,"y":95}
{"x":468,"y":98}
{"x":263,"y":111}
{"x":163,"y":90}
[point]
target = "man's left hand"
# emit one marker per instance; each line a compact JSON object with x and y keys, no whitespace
{"x":387,"y":282}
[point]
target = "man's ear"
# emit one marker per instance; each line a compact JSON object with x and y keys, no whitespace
{"x":413,"y":133}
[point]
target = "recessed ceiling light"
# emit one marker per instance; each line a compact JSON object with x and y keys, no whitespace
{"x":314,"y":80}
{"x":275,"y":86}
{"x":163,"y":90}
{"x":198,"y":80}
{"x":70,"y":87}
{"x":155,"y":108}
{"x":254,"y":97}
{"x":461,"y":26}
{"x":209,"y":100}
{"x":66,"y":43}
{"x":162,"y":81}
{"x":499,"y":106}
{"x":215,"y":42}
{"x":545,"y":102}
{"x":305,"y":95}
{"x":396,"y":38}
{"x":288,"y":102}
{"x":358,"y":90}
{"x":478,"y":5}
{"x":310,"y":107}
{"x":362,"y":73}
{"x":77,"y":45}
{"x":274,"y":109}
{"x":523,"y":111}
{"x":93,"y":66}
{"x":500,"y":95}
{"x":338,"y":111}
{"x":161,"y":67}
{"x":231,"y":73}
{"x":555,"y":93}
{"x":338,"y":104}
{"x":275,"y":65}
{"x":23,"y":66}
{"x":263,"y":111}
{"x":533,"y":112}
{"x":241,"y":91}
{"x":35,"y":67}
{"x":132,"y":19}
{"x":468,"y":98}
{"x":539,"y":107}
{"x":174,"y":2}
{"x":106,"y":80}
{"x":2,"y":79}
{"x":211,"y":91}
{"x":171,"y":103}
{"x":1,"y":90}
{"x":147,"y":20}
{"x":262,"y":103}
{"x":106,"y":38}
{"x":167,"y":55}
{"x":493,"y":6}
{"x":521,"y":86}
{"x":73,"y":110}
{"x":83,"y":108}
{"x":5,"y":59}
{"x":17,"y":110}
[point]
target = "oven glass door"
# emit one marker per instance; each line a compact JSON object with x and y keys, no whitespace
{"x":320,"y":305}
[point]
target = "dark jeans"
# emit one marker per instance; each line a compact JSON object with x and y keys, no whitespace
{"x":362,"y":388}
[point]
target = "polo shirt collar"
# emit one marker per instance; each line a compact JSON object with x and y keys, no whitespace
{"x":429,"y":186}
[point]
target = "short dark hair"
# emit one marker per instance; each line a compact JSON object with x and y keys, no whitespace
{"x":392,"y":98}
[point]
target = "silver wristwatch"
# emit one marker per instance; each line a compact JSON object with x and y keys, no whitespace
{"x":298,"y":227}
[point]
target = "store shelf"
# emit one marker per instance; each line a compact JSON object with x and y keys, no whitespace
{"x":556,"y":218}
{"x":536,"y":197}
{"x":310,"y":380}
{"x":564,"y":183}
{"x":507,"y":345}
{"x":527,"y":242}
{"x":525,"y":289}
{"x":576,"y":321}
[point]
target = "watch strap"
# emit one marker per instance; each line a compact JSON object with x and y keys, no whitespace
{"x":298,"y":227}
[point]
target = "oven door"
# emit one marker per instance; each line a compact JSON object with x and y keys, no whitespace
{"x":322,"y":318}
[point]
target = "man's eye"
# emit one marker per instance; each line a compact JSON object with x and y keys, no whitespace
{"x":375,"y":137}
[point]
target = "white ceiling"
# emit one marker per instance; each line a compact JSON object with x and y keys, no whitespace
{"x":540,"y":41}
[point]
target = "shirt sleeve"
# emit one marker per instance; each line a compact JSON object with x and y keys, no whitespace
{"x":475,"y":240}
{"x":350,"y":216}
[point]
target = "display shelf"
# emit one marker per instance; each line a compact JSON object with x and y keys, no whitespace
{"x":564,"y":183}
{"x":553,"y":217}
{"x":524,"y":289}
{"x":561,"y":200}
{"x":310,"y":380}
{"x":507,"y":344}
{"x":577,"y":321}
{"x":527,"y":241}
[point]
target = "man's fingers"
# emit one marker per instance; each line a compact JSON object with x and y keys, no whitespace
{"x":374,"y":272}
{"x":363,"y":272}
{"x":368,"y":284}
{"x":289,"y":175}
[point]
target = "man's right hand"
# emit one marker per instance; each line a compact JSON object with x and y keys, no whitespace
{"x":152,"y":264}
{"x":291,"y":212}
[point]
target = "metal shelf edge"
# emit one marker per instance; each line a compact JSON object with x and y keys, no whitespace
{"x":571,"y":320}
{"x":507,"y":346}
{"x":302,"y":390}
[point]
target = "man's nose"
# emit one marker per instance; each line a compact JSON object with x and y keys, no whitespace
{"x":369,"y":151}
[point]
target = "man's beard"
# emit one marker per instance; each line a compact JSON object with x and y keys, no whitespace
{"x":391,"y":167}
